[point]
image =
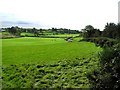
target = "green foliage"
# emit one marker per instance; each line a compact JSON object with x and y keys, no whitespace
{"x":111,"y":30}
{"x":14,"y":30}
{"x":102,"y":41}
{"x":63,"y":74}
{"x":90,"y":31}
{"x":109,"y":74}
{"x":34,"y":32}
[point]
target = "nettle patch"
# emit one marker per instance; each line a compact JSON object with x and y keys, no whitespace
{"x":64,"y":74}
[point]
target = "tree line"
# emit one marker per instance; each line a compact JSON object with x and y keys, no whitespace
{"x":37,"y":32}
{"x":111,"y":30}
{"x":108,"y":74}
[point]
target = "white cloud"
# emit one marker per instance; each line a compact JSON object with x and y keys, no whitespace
{"x":74,"y":14}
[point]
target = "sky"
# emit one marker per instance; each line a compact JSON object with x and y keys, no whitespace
{"x":70,"y":14}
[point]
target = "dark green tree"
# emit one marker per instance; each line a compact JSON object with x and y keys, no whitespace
{"x":36,"y":33}
{"x":110,"y":30}
{"x":15,"y":31}
{"x":90,"y":31}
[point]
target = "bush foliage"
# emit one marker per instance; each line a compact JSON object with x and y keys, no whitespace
{"x":109,"y":74}
{"x":102,"y":41}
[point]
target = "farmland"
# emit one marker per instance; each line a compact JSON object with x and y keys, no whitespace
{"x":44,"y":50}
{"x":32,"y":62}
{"x":61,"y":58}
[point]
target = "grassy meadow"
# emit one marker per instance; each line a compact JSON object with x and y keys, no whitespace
{"x":32,"y":62}
{"x":44,"y":50}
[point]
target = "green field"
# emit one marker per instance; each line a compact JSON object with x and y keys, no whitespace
{"x":44,"y":50}
{"x":65,"y":35}
{"x":26,"y":34}
{"x":32,"y":62}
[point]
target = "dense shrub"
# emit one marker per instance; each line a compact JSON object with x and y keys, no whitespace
{"x":109,"y":74}
{"x":102,"y":41}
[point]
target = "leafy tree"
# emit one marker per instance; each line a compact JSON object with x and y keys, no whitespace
{"x":54,"y":30}
{"x":90,"y":31}
{"x":110,"y":30}
{"x":35,"y":31}
{"x":41,"y":31}
{"x":118,"y":30}
{"x":14,"y":30}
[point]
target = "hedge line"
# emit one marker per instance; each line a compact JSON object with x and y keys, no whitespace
{"x":109,"y":74}
{"x":102,"y":41}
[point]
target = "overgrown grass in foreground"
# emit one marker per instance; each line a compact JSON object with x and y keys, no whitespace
{"x":63,"y":74}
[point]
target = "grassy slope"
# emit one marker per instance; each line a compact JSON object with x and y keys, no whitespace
{"x":44,"y":50}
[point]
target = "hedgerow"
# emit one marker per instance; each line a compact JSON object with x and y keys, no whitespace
{"x":109,"y":74}
{"x":102,"y":41}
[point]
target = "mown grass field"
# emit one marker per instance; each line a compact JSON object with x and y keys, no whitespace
{"x":44,"y":50}
{"x":32,"y":62}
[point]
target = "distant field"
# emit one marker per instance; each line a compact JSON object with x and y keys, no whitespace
{"x":27,"y":34}
{"x":49,"y":35}
{"x":65,"y":35}
{"x":44,"y":50}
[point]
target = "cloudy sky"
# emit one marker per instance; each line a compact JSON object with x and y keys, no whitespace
{"x":71,"y":14}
